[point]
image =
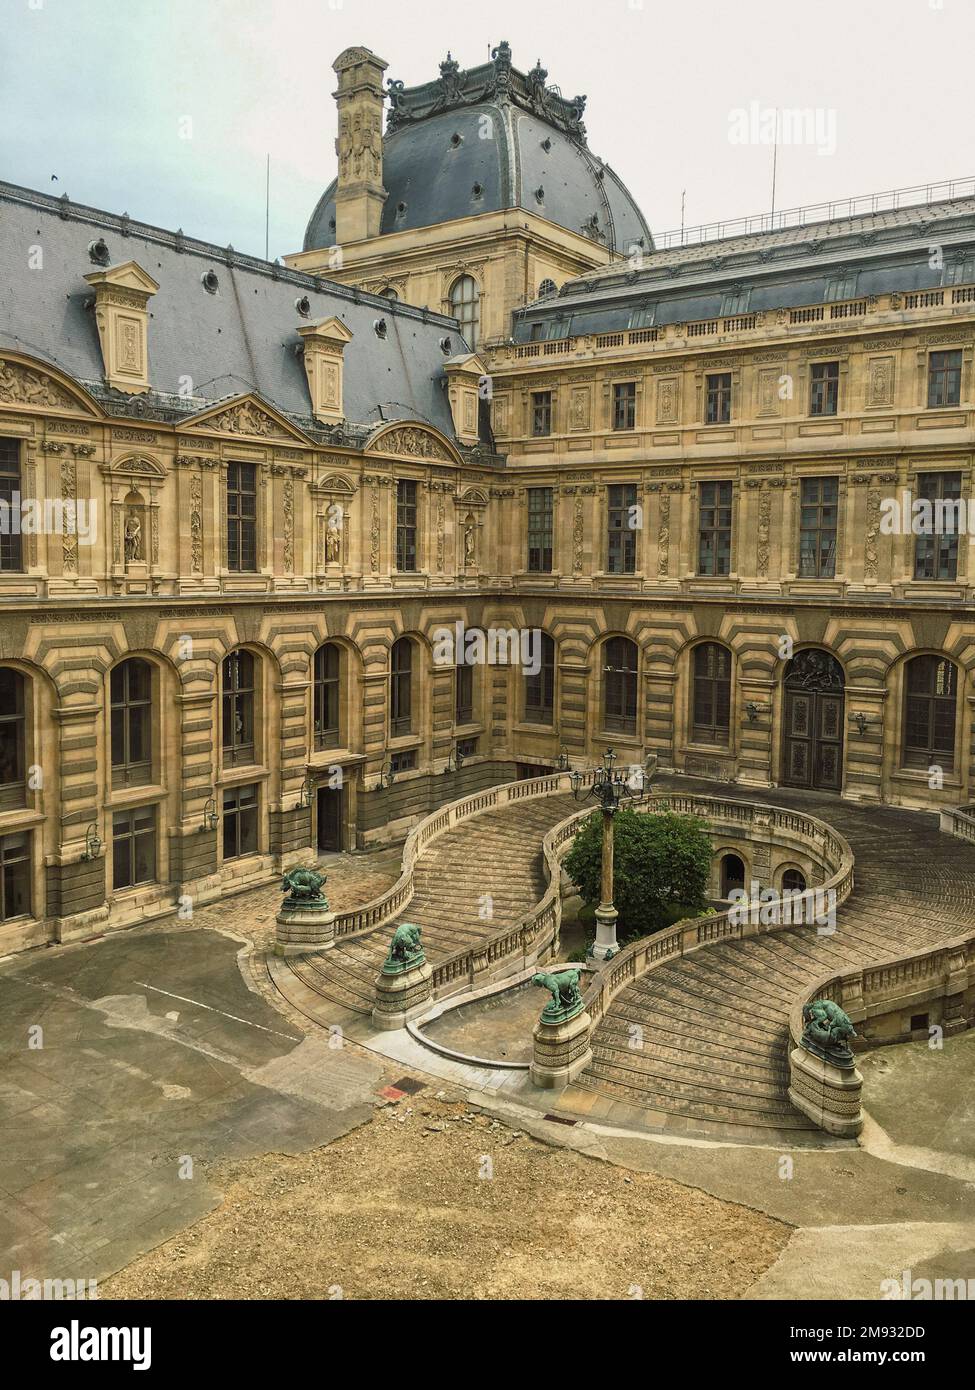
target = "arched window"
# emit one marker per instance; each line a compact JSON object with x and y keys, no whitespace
{"x":793,"y":881}
{"x":620,"y":685}
{"x":466,"y":307}
{"x":13,"y":754}
{"x":711,"y":698}
{"x":327,"y":689}
{"x":540,"y":686}
{"x":732,"y":875}
{"x":238,"y":708}
{"x":131,"y":714}
{"x":401,"y":687}
{"x":930,"y":696}
{"x":546,"y":287}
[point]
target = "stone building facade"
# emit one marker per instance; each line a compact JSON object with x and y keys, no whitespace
{"x":243,"y":501}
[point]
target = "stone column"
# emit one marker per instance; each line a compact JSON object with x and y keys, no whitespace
{"x":605,"y":945}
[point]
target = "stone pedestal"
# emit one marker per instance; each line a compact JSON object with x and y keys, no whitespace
{"x":302,"y":930}
{"x":828,"y":1094}
{"x":402,"y":995}
{"x":560,"y":1050}
{"x":605,"y":944}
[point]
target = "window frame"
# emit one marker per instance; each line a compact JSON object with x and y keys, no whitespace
{"x":241,"y":517}
{"x":11,"y":487}
{"x":13,"y":714}
{"x":824,"y":389}
{"x":128,"y":771}
{"x":12,"y":865}
{"x":939,"y":551}
{"x":407,"y":530}
{"x":620,"y":686}
{"x":926,"y":753}
{"x":132,"y":837}
{"x":401,"y":688}
{"x":237,"y":695}
{"x":944,"y":379}
{"x":718,"y":388}
{"x":240,"y":814}
{"x":823,"y":567}
{"x":541,"y":408}
{"x":716,"y":686}
{"x":326,"y":691}
{"x":620,"y":535}
{"x":540,"y":526}
{"x":538,"y":706}
{"x":711,"y":527}
{"x":624,"y":406}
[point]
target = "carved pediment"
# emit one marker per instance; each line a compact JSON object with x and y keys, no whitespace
{"x":474,"y":497}
{"x":335,"y":485}
{"x":247,"y":416}
{"x":412,"y":441}
{"x":136,"y":465}
{"x":24,"y":385}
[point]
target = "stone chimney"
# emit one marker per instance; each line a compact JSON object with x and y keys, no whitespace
{"x":360,"y":195}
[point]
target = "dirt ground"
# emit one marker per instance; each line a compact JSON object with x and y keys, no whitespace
{"x":433,"y":1200}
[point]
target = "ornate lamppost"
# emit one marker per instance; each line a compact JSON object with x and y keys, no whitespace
{"x":612,"y":790}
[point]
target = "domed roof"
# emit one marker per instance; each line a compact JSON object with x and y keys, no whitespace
{"x":490,"y":138}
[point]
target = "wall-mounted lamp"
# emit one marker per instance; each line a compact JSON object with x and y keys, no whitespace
{"x":455,"y":760}
{"x":304,"y":796}
{"x":93,"y":844}
{"x":563,"y":762}
{"x":210,"y":818}
{"x":753,"y":711}
{"x":861,"y":721}
{"x":387,"y":776}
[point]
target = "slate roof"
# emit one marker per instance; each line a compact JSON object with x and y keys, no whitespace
{"x":874,"y":253}
{"x":241,"y":338}
{"x":439,"y":167}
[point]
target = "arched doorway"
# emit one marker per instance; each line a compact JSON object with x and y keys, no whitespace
{"x":813,"y":722}
{"x":732,"y":875}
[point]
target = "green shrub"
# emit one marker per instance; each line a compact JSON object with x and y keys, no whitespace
{"x":661,"y":866}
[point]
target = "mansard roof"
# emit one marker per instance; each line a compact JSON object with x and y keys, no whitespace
{"x":839,"y":258}
{"x":209,"y":339}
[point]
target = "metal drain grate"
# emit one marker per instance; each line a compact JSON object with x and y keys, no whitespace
{"x":409,"y":1085}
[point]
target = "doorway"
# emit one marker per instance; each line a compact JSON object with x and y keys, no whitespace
{"x":329,"y":819}
{"x":732,"y":875}
{"x":813,"y":721}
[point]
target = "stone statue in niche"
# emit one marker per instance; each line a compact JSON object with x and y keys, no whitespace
{"x":133,"y":538}
{"x":333,"y":544}
{"x":470,"y":539}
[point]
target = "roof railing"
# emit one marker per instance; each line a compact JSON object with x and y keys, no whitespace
{"x":919,"y":195}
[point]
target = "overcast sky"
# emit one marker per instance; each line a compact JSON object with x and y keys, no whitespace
{"x":104,"y":94}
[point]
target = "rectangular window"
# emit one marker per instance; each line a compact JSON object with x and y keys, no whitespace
{"x":14,"y":876}
{"x":818,"y":503}
{"x":541,"y":412}
{"x":134,"y":847}
{"x":936,"y":552}
{"x":406,"y":525}
{"x":624,"y":405}
{"x":466,"y":747}
{"x":944,"y":378}
{"x":621,"y":522}
{"x":714,"y":539}
{"x":11,"y":550}
{"x":824,"y":388}
{"x":239,"y":822}
{"x":540,"y":686}
{"x":718,"y":398}
{"x":540,"y":527}
{"x":464,"y":695}
{"x":242,"y":517}
{"x":404,"y":761}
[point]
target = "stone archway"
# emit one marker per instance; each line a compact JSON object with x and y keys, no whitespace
{"x":813,"y":691}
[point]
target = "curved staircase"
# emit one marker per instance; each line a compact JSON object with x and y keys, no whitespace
{"x":496,"y":854}
{"x":714,"y":1025}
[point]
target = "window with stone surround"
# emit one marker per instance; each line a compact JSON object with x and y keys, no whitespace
{"x":930,"y":704}
{"x":936,"y":553}
{"x":944,"y":379}
{"x":13,"y":740}
{"x":541,"y":413}
{"x":15,"y":857}
{"x":11,"y":548}
{"x":714,"y":529}
{"x":238,"y":692}
{"x":240,"y":821}
{"x":620,"y":663}
{"x":327,"y":680}
{"x":134,"y":847}
{"x":242,"y":518}
{"x":540,"y":687}
{"x":406,"y":525}
{"x":401,"y":688}
{"x":717,"y":398}
{"x":540,"y":527}
{"x":824,"y":388}
{"x":130,"y":687}
{"x":711,"y":697}
{"x":818,"y":511}
{"x":621,"y":515}
{"x":624,"y":405}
